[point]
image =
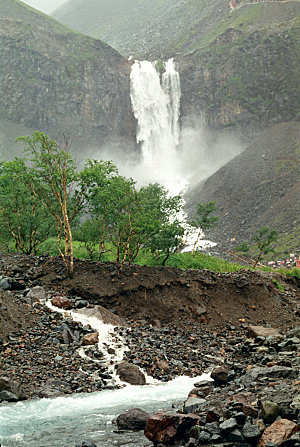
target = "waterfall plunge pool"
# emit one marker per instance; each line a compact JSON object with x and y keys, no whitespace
{"x":70,"y":420}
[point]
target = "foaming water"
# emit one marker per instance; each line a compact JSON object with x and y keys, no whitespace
{"x":156,"y":102}
{"x":64,"y":420}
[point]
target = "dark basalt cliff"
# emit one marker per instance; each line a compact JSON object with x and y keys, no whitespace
{"x":59,"y":81}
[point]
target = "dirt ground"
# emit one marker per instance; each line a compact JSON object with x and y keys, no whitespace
{"x":160,"y":296}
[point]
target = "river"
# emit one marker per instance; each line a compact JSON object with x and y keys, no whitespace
{"x":70,"y":420}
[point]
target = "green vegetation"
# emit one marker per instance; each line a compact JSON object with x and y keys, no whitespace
{"x":46,"y":190}
{"x":263,"y":240}
{"x":278,"y":285}
{"x":203,"y":219}
{"x":47,"y":205}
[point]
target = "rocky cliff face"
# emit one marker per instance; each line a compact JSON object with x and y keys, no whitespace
{"x":243,"y":73}
{"x":56,"y":80}
{"x":260,"y":187}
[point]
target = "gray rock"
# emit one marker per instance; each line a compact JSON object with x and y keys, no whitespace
{"x":250,"y":432}
{"x":8,"y":396}
{"x":273,"y":372}
{"x":4,"y":284}
{"x":235,"y":436}
{"x":204,"y":437}
{"x":134,"y":419}
{"x":192,"y":404}
{"x":228,"y":425}
{"x":37,"y":293}
{"x":269,"y":411}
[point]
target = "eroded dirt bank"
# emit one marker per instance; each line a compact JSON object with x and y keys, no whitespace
{"x":170,"y":296}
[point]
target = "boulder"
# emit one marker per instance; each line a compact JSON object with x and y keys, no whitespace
{"x":62,"y":302}
{"x":90,"y":339}
{"x":11,"y":389}
{"x":228,"y":426}
{"x":131,"y":374}
{"x":192,"y":404}
{"x":134,"y":419}
{"x":36,"y":293}
{"x":269,"y":411}
{"x":8,"y":396}
{"x":168,"y":427}
{"x":278,"y":432}
{"x":220,"y":374}
{"x":261,"y":331}
{"x":251,"y":432}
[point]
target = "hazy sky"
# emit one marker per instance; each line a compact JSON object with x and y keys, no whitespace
{"x":46,"y":6}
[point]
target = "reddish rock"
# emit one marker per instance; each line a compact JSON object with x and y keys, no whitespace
{"x":90,"y":339}
{"x":248,"y":410}
{"x":278,"y":432}
{"x":62,"y":302}
{"x":163,"y":365}
{"x":167,"y":427}
{"x":220,"y":374}
{"x":246,"y":399}
{"x":131,"y":374}
{"x":261,"y":331}
{"x":214,"y":414}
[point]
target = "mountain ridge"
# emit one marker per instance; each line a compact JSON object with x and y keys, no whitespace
{"x":61,"y":82}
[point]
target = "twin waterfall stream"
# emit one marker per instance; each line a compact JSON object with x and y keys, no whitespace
{"x":156,"y":106}
{"x":67,"y":421}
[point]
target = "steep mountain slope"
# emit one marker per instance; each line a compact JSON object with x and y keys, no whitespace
{"x":260,"y":187}
{"x":56,"y":80}
{"x":243,"y":72}
{"x":138,"y":27}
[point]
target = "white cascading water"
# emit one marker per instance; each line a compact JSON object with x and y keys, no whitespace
{"x":156,"y":106}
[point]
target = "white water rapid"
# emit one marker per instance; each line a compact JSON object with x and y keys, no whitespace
{"x":65,"y":421}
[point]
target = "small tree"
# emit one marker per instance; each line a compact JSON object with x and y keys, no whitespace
{"x":55,"y":182}
{"x":168,"y":240}
{"x":203,"y":219}
{"x":264,"y":238}
{"x":23,"y":219}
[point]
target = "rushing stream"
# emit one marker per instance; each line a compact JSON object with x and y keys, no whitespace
{"x":65,"y":421}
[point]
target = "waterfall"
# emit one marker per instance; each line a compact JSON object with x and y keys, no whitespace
{"x":156,"y":105}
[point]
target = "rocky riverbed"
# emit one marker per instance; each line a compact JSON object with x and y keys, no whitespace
{"x":46,"y":353}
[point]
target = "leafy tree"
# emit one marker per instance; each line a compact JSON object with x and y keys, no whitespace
{"x":55,"y":182}
{"x":203,"y":220}
{"x":23,"y":219}
{"x":168,"y":240}
{"x":264,"y":238}
{"x":87,"y":233}
{"x":127,"y":218}
{"x":109,"y":200}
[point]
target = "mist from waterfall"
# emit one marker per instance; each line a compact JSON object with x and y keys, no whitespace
{"x":156,"y":105}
